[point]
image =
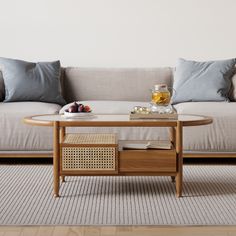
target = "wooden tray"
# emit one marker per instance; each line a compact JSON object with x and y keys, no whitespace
{"x":136,"y":116}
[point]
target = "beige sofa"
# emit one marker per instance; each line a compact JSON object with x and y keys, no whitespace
{"x":116,"y":91}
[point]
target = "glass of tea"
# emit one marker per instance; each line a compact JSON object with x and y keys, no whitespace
{"x":161,"y":95}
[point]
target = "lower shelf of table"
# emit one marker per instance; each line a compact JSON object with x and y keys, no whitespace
{"x":81,"y":173}
{"x":136,"y":162}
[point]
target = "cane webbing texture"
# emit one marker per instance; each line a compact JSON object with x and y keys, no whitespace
{"x":88,"y":158}
{"x":90,"y":138}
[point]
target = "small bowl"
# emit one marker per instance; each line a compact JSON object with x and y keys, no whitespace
{"x":77,"y":114}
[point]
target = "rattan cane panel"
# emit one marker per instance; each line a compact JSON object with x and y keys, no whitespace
{"x":88,"y":158}
{"x":90,"y":138}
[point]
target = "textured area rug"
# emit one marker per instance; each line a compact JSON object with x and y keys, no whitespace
{"x":209,"y":198}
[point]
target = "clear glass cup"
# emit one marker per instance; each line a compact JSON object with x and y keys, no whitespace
{"x":161,"y":99}
{"x":161,"y":95}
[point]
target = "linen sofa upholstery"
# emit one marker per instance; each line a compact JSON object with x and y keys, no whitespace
{"x":109,"y":90}
{"x":17,"y":136}
{"x":116,"y":84}
{"x":217,"y":137}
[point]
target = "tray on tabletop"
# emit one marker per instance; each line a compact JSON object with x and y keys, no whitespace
{"x":136,"y":116}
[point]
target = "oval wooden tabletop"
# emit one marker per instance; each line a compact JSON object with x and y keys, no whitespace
{"x":116,"y":120}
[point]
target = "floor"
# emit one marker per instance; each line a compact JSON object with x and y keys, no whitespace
{"x":120,"y":230}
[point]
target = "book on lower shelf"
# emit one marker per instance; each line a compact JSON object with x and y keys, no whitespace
{"x":144,"y":145}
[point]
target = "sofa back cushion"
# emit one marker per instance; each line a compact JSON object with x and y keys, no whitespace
{"x":117,"y":84}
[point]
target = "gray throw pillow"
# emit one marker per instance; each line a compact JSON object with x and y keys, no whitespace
{"x":232,"y":93}
{"x":28,"y":81}
{"x":2,"y":88}
{"x":202,"y":81}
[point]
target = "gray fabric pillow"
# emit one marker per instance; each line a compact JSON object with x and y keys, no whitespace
{"x":202,"y":81}
{"x":232,"y":93}
{"x":2,"y":88}
{"x":27,"y":81}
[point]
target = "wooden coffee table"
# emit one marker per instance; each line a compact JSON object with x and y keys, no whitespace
{"x":130,"y":162}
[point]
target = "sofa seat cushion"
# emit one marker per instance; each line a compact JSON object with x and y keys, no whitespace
{"x":217,"y":137}
{"x":15,"y":135}
{"x":207,"y":108}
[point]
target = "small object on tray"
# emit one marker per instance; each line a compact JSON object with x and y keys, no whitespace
{"x":141,"y":110}
{"x":147,"y":113}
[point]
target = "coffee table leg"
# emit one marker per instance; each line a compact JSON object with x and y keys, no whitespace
{"x":179,"y":150}
{"x":179,"y":180}
{"x":62,"y":136}
{"x":63,"y":179}
{"x":56,"y":156}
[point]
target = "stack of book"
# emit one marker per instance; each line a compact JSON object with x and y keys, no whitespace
{"x":143,"y":145}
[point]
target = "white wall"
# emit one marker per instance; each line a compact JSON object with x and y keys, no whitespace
{"x":118,"y":33}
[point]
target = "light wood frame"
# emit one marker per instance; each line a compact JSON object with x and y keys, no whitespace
{"x":176,"y":134}
{"x":176,"y":137}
